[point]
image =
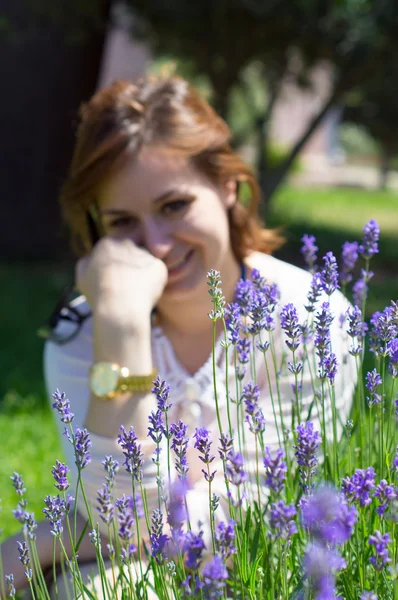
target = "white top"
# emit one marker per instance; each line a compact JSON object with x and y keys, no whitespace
{"x":67,"y":368}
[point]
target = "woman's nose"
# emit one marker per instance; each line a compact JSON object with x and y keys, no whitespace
{"x":155,"y":238}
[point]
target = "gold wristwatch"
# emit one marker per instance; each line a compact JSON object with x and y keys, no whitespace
{"x":108,"y":380}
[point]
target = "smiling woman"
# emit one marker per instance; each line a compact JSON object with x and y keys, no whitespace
{"x":153,"y":204}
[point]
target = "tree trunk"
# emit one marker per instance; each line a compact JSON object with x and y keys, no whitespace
{"x":45,"y":79}
{"x":276,"y":176}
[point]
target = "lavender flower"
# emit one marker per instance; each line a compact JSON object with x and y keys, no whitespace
{"x":328,"y":517}
{"x":30,"y":525}
{"x":11,"y":591}
{"x":177,"y":509}
{"x":234,"y":468}
{"x":281,"y":520}
{"x":383,"y":329}
{"x":224,"y":536}
{"x":203,"y":444}
{"x":385,"y":494}
{"x":369,"y":246}
{"x":349,"y":257}
{"x":379,"y":542}
{"x":243,"y":350}
{"x":156,"y":427}
{"x":214,"y":575}
{"x":395,"y":461}
{"x":359,"y":485}
{"x":244,"y":296}
{"x":308,"y":441}
{"x":373,"y":380}
{"x":62,"y":405}
{"x":321,"y":565}
{"x":290,"y":325}
{"x":179,"y":444}
{"x":233,"y":322}
{"x":359,"y":292}
{"x":111,"y":466}
{"x":226,"y":446}
{"x":309,"y":250}
{"x":125,"y":517}
{"x":275,"y":469}
{"x":254,"y":415}
{"x":315,"y":292}
{"x":330,"y":365}
{"x":127,"y":554}
{"x":323,"y":321}
{"x":193,"y":546}
{"x":60,"y":472}
{"x":214,"y":282}
{"x":82,"y":444}
{"x":105,"y":506}
{"x":132,"y":451}
{"x":392,"y":350}
{"x":95,"y":539}
{"x":157,"y":538}
{"x":56,"y":510}
{"x":369,"y":596}
{"x":329,"y":274}
{"x":18,"y":483}
{"x":162,"y":393}
{"x":23,"y":553}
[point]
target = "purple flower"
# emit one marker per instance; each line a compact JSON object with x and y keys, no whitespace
{"x":328,"y":517}
{"x":193,"y":546}
{"x":233,"y":322}
{"x":383,"y":329}
{"x":82,"y":444}
{"x":234,"y":468}
{"x":176,"y":508}
{"x":369,"y":596}
{"x":11,"y":591}
{"x":254,"y":415}
{"x":157,"y":538}
{"x":281,"y":520}
{"x":60,"y":472}
{"x":162,"y":393}
{"x":18,"y":483}
{"x":224,"y":536}
{"x":395,"y":461}
{"x":132,"y":451}
{"x":356,"y":327}
{"x":23,"y":553}
{"x":156,"y":428}
{"x":124,"y":504}
{"x":308,"y":441}
{"x":373,"y":380}
{"x":275,"y":469}
{"x":359,"y":292}
{"x":30,"y":525}
{"x":127,"y":554}
{"x":349,"y":257}
{"x":314,"y":293}
{"x":323,"y":320}
{"x":243,"y":350}
{"x":226,"y":446}
{"x":179,"y":444}
{"x":56,"y":510}
{"x":392,"y":351}
{"x":330,"y":274}
{"x":369,"y":246}
{"x":309,"y":250}
{"x":111,"y":466}
{"x":203,"y":444}
{"x":214,"y":575}
{"x":62,"y":405}
{"x":359,"y":485}
{"x":244,"y":295}
{"x":321,"y":565}
{"x":384,"y":493}
{"x":261,"y":314}
{"x":105,"y":505}
{"x":330,"y":365}
{"x":290,"y":325}
{"x":379,"y":542}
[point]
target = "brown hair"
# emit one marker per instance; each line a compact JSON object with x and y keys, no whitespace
{"x":119,"y":120}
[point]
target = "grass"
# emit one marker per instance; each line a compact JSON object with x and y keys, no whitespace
{"x":29,"y":441}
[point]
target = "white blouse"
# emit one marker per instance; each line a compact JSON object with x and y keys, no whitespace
{"x":192,"y":396}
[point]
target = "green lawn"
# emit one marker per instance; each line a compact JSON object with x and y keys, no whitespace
{"x":29,"y":292}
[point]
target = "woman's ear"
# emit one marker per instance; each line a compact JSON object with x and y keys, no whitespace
{"x":231,"y":188}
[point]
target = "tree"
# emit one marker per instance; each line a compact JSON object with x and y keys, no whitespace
{"x":50,"y":62}
{"x":373,"y":105}
{"x":220,"y":39}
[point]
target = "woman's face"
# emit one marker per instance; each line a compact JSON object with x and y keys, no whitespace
{"x":167,"y":206}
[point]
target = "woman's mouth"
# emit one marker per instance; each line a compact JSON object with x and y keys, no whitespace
{"x":178,"y":266}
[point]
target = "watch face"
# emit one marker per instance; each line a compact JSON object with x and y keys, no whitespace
{"x":104,"y":378}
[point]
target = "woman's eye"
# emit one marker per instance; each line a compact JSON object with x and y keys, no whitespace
{"x":121,"y":222}
{"x":174,"y":207}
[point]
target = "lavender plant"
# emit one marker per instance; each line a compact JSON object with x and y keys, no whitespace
{"x":312,"y":515}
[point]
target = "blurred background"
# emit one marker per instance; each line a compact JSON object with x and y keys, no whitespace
{"x":308,"y":88}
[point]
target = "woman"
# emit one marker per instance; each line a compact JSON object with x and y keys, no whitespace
{"x":152,"y":202}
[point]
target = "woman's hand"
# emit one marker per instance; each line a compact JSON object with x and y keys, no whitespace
{"x":120,"y":278}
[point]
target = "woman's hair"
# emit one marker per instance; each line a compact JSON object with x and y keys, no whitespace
{"x":125,"y":117}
